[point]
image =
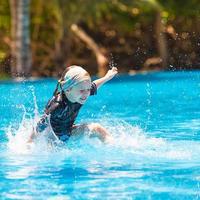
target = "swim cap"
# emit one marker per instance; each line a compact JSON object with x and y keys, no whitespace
{"x":72,"y":76}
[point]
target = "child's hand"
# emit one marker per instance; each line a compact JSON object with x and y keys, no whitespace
{"x":111,"y":73}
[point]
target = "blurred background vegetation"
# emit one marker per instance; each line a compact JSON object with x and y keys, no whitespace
{"x":41,"y":38}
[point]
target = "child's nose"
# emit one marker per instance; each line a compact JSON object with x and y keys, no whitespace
{"x":85,"y":92}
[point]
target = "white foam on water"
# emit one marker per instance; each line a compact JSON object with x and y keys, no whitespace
{"x":129,"y":142}
{"x":18,"y":136}
{"x":135,"y":142}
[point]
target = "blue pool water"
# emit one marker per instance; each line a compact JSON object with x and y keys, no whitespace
{"x":155,"y":122}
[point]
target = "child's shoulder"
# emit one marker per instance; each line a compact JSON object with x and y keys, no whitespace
{"x":54,"y":103}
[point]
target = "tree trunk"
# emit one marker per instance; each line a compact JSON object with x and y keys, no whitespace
{"x":161,"y":40}
{"x":14,"y":14}
{"x":102,"y":60}
{"x":21,"y":52}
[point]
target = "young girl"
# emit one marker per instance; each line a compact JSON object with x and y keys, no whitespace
{"x":71,"y":92}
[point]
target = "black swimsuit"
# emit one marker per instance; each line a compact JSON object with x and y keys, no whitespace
{"x":61,"y":113}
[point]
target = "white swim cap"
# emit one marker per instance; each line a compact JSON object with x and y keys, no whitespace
{"x":72,"y":76}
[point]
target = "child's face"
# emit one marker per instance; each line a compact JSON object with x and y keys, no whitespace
{"x":80,"y":92}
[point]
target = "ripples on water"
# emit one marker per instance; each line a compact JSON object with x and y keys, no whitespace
{"x":155,"y":153}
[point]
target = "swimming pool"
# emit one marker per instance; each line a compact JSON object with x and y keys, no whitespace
{"x":155,"y":122}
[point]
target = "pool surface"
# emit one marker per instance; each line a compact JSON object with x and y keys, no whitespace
{"x":155,"y":122}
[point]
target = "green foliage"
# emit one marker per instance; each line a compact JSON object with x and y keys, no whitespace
{"x":4,"y":16}
{"x":107,"y":21}
{"x":182,"y":7}
{"x":4,"y":76}
{"x":5,"y":24}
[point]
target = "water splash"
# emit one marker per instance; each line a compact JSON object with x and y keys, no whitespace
{"x":130,"y":142}
{"x":112,"y":62}
{"x":19,"y":135}
{"x":149,"y":102}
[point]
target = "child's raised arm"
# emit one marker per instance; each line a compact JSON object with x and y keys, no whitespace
{"x":109,"y":75}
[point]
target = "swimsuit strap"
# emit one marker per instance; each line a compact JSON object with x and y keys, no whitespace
{"x":59,"y":82}
{"x":56,"y":91}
